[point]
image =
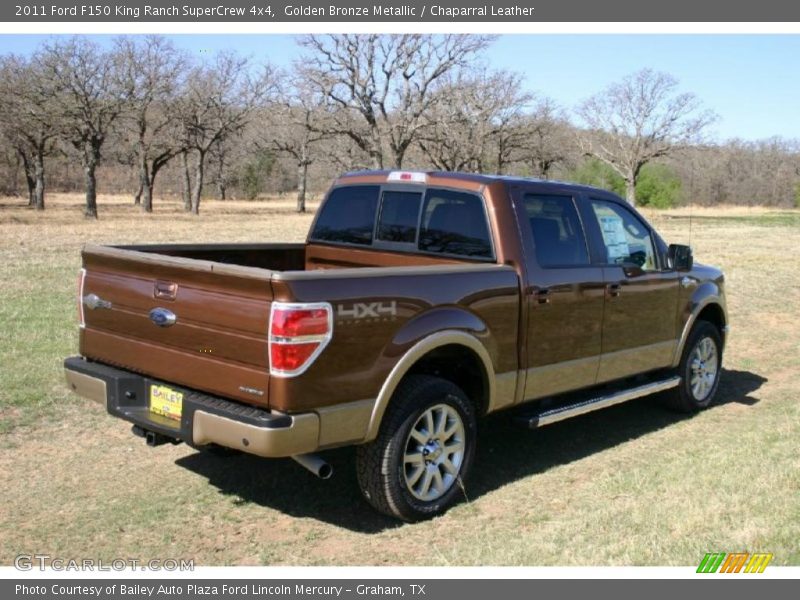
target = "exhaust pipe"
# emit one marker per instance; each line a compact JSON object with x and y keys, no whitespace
{"x":315,"y":464}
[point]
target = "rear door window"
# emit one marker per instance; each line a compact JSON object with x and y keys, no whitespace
{"x":557,"y":232}
{"x":454,"y":223}
{"x":348,"y":215}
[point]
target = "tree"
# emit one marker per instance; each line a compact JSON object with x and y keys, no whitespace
{"x":548,"y":139}
{"x":598,"y":174}
{"x":153,"y":70}
{"x":299,"y":122}
{"x":27,"y":112}
{"x":90,"y":97}
{"x":383,"y":85}
{"x":658,"y":186}
{"x":218,"y":102}
{"x":638,"y":119}
{"x":475,"y":119}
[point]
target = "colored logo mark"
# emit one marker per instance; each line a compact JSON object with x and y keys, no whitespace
{"x":734,"y":562}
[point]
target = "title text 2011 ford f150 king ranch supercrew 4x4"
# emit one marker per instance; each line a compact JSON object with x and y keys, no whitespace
{"x":419,"y":303}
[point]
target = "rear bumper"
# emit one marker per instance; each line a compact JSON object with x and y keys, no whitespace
{"x":204,"y":419}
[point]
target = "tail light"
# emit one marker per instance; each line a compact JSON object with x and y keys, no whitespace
{"x":81,"y":280}
{"x":298,"y":333}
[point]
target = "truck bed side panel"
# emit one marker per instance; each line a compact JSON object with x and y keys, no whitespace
{"x":374,"y":310}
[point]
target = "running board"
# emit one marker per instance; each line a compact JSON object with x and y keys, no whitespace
{"x":560,"y":413}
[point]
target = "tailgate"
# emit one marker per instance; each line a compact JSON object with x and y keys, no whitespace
{"x":218,"y":340}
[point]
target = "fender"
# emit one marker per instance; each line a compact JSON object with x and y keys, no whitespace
{"x":420,"y":349}
{"x":706,"y":294}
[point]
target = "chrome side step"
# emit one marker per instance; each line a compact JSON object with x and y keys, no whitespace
{"x":560,"y":413}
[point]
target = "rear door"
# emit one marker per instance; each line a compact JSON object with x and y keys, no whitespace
{"x":639,"y":326}
{"x":194,"y":323}
{"x":563,"y":293}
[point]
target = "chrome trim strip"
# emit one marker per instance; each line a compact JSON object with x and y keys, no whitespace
{"x":566,"y":412}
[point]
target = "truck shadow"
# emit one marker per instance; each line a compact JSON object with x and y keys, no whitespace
{"x":506,"y":452}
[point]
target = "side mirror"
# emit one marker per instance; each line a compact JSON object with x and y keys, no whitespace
{"x":679,"y":257}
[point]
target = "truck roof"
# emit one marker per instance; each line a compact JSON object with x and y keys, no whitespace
{"x":475,"y":178}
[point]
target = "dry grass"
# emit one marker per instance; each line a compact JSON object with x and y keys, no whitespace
{"x":631,"y":485}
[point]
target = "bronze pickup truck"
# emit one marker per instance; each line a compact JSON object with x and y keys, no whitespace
{"x":419,"y":303}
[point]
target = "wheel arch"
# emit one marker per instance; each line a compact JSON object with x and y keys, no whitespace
{"x":440,"y":349}
{"x":707,"y":304}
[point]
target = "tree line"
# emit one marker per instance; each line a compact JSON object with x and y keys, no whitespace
{"x":147,"y":111}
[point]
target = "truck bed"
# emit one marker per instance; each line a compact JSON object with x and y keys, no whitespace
{"x":221,"y":295}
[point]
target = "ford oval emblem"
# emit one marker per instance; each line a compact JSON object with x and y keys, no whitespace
{"x":163,"y":317}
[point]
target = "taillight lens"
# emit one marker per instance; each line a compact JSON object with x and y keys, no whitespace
{"x":298,"y":333}
{"x":81,"y":280}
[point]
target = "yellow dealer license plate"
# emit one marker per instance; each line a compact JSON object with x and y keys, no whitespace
{"x":166,"y":402}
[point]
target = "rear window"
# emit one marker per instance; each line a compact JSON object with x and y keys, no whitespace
{"x":399,"y":216}
{"x":348,"y":215}
{"x":441,"y":222}
{"x":454,"y":223}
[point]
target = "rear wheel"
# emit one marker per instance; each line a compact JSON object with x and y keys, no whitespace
{"x":699,"y":369}
{"x":417,"y":465}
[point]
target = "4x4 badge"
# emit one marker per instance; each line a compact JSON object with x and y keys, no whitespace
{"x":368,"y":310}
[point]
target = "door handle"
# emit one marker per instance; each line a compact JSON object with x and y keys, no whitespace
{"x":613,"y":290}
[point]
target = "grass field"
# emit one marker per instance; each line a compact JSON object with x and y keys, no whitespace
{"x":632,"y":485}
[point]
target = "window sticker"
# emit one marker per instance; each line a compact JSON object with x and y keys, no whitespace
{"x":614,"y":237}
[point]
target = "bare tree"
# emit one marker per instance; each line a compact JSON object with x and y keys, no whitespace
{"x":153,"y":70}
{"x":508,"y":123}
{"x":298,"y":123}
{"x":384,"y":84}
{"x":638,"y":119}
{"x":27,"y":120}
{"x":458,"y":125}
{"x":218,"y":102}
{"x":549,"y":139}
{"x":90,"y":97}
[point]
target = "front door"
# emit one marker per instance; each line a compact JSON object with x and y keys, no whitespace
{"x":639,"y":325}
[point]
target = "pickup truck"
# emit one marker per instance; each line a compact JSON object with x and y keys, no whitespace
{"x":420,"y":302}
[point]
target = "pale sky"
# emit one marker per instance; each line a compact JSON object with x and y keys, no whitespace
{"x":751,"y":81}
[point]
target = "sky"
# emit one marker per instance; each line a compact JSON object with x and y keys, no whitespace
{"x":751,"y":81}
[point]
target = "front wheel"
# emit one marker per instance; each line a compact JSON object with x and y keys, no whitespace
{"x":417,"y":465}
{"x":699,"y":369}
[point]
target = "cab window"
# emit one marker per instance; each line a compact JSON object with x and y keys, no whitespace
{"x":398,"y":218}
{"x":626,"y":239}
{"x":557,"y":232}
{"x":348,"y":216}
{"x":454,"y":223}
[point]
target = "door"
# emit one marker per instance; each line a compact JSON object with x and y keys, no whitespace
{"x":564,"y":295}
{"x":639,"y":326}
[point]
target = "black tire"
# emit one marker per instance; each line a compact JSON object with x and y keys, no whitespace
{"x":383,"y":473}
{"x":683,"y":398}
